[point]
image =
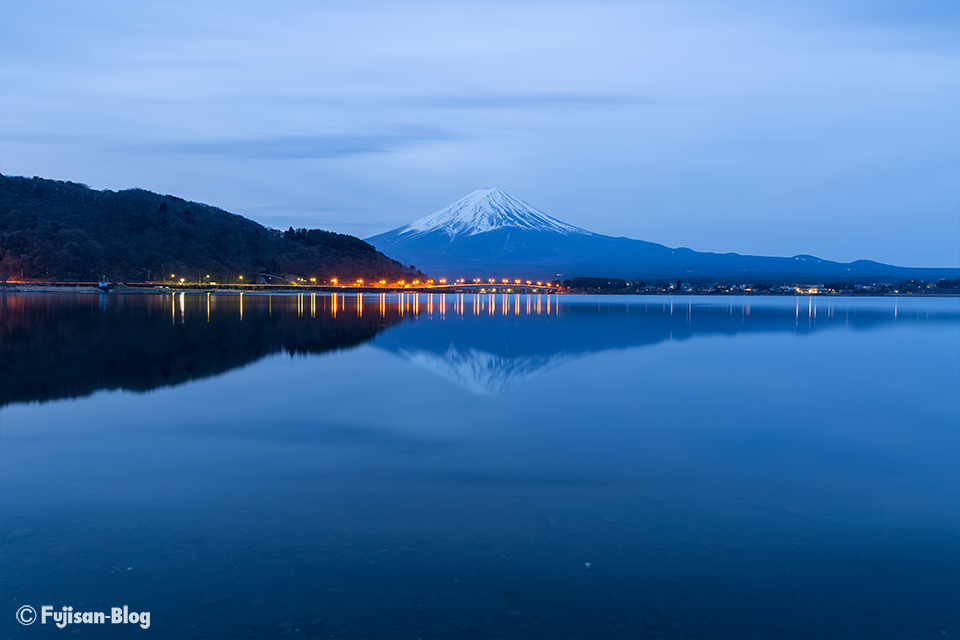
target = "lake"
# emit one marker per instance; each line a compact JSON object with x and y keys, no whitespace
{"x":481,"y":466}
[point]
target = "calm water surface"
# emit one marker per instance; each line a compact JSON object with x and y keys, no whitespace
{"x":481,"y":466}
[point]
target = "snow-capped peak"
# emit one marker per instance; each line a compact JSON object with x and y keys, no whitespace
{"x":487,"y":210}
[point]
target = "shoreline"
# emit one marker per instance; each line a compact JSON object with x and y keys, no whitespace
{"x":267,"y":290}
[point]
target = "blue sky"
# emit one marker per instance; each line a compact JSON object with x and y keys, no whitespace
{"x":768,"y":128}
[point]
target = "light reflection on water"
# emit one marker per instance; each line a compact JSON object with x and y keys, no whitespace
{"x":539,"y":304}
{"x":405,"y":303}
{"x":380,"y":466}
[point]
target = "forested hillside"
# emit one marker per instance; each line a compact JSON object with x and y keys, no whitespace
{"x":66,"y":231}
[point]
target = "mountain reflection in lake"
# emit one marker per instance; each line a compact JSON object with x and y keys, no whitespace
{"x":55,"y":346}
{"x":482,"y":466}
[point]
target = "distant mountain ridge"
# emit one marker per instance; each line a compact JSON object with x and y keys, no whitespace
{"x":490,"y":233}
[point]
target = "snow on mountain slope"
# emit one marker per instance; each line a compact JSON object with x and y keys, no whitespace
{"x":486,"y":210}
{"x":489,"y":233}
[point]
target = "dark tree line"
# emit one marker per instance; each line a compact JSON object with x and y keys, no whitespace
{"x":67,"y":231}
{"x":596,"y":284}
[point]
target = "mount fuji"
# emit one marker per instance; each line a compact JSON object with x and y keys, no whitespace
{"x":483,"y":211}
{"x":490,"y":233}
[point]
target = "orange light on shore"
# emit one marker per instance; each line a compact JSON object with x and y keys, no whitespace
{"x":359,"y":281}
{"x":333,"y":280}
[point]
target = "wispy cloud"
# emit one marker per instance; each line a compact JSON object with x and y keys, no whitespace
{"x":521,"y":101}
{"x":310,"y":146}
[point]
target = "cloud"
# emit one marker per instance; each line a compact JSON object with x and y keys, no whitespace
{"x":311,"y":146}
{"x":548,"y":100}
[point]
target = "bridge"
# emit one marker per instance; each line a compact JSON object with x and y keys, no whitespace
{"x":306,"y":287}
{"x":468,"y":287}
